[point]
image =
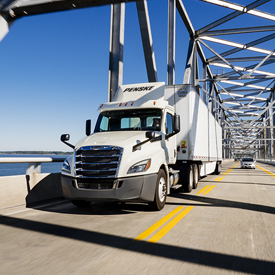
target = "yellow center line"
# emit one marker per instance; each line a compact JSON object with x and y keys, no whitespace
{"x":219,"y":179}
{"x":203,"y":189}
{"x":235,"y":165}
{"x":178,"y":217}
{"x":208,"y":190}
{"x":158,"y":224}
{"x":170,"y":225}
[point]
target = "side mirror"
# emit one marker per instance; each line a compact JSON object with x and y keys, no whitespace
{"x":88,"y":127}
{"x":150,"y":135}
{"x":176,"y":123}
{"x":64,"y":138}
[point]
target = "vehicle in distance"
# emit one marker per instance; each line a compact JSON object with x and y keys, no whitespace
{"x":248,"y":163}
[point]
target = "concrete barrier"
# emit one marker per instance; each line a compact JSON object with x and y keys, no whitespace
{"x":271,"y":162}
{"x":29,"y":189}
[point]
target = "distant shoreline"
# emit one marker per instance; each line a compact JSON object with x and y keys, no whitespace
{"x":35,"y":153}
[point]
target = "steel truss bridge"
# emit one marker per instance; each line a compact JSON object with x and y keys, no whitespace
{"x":232,"y":72}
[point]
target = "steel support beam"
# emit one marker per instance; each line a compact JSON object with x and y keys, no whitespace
{"x":5,"y":23}
{"x":31,"y":7}
{"x":171,"y":42}
{"x":116,"y":49}
{"x":240,"y":30}
{"x":273,"y":124}
{"x":232,"y":16}
{"x":147,"y":40}
{"x":189,"y":63}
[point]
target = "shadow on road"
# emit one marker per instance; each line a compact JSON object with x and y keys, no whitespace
{"x":96,"y":208}
{"x":200,"y":257}
{"x":221,"y":203}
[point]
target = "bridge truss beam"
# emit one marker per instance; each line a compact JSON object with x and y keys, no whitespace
{"x":241,"y":98}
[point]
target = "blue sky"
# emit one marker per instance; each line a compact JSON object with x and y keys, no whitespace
{"x":54,"y":68}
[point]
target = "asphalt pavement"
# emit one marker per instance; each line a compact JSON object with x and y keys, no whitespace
{"x":225,"y":226}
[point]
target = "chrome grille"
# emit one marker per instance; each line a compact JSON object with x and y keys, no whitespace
{"x":97,"y":166}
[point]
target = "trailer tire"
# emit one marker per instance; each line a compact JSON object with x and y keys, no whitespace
{"x":188,"y":184}
{"x":217,"y":169}
{"x":195,"y":176}
{"x":81,"y":203}
{"x":160,"y":192}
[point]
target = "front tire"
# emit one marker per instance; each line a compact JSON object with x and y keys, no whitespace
{"x":160,"y":192}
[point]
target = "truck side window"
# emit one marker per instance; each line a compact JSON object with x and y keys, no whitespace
{"x":104,"y":124}
{"x":169,"y":124}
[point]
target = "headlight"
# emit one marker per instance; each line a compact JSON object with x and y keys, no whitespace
{"x":140,"y":166}
{"x":66,"y":167}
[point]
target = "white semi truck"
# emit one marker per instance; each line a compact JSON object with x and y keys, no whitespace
{"x":150,"y":139}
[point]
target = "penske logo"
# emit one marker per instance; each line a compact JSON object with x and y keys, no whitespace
{"x":139,"y":89}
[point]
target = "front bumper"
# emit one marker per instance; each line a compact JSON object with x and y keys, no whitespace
{"x":248,"y":166}
{"x":138,"y":189}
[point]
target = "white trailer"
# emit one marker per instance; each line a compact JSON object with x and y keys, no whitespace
{"x":150,"y":139}
{"x":200,"y":138}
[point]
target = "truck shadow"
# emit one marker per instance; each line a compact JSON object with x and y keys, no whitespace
{"x":96,"y":208}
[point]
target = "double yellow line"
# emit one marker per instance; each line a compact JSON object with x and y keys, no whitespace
{"x":167,"y":227}
{"x":170,"y":220}
{"x":206,"y":189}
{"x":177,"y":213}
{"x":227,"y":172}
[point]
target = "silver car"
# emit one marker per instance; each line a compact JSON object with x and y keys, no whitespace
{"x":248,"y":163}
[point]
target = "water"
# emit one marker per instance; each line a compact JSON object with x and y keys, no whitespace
{"x":12,"y":169}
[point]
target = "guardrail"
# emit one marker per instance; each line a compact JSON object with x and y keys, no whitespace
{"x":34,"y":162}
{"x":267,"y":161}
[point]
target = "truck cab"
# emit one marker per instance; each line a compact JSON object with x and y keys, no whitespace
{"x":129,"y":154}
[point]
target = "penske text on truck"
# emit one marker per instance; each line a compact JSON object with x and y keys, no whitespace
{"x":150,"y":139}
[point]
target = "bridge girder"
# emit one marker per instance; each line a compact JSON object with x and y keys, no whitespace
{"x":239,"y":97}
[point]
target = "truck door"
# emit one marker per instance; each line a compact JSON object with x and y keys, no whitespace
{"x":170,"y":142}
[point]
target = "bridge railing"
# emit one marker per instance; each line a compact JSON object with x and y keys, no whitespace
{"x":34,"y":162}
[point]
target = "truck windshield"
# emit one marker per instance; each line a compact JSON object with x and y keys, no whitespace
{"x":129,"y":120}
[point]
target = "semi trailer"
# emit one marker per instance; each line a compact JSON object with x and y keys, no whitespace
{"x":150,"y":139}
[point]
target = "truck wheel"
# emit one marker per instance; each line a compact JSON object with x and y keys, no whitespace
{"x":188,"y":185}
{"x":160,"y":193}
{"x":218,"y":169}
{"x":195,"y":176}
{"x":81,"y":203}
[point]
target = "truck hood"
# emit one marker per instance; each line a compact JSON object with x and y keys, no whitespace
{"x":115,"y":138}
{"x":126,"y":140}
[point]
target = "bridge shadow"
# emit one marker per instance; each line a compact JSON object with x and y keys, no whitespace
{"x":238,"y":182}
{"x":214,"y":202}
{"x":183,"y":254}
